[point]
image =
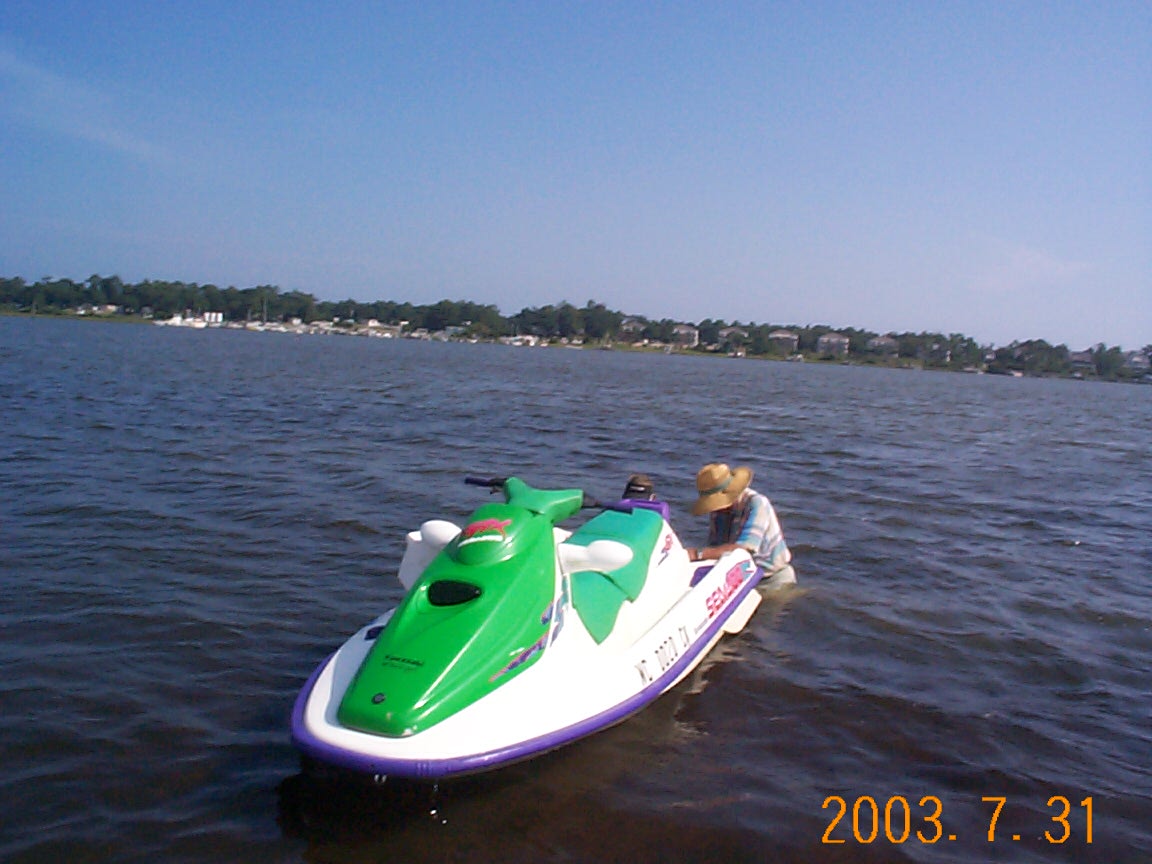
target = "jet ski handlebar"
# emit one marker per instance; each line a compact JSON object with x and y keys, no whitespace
{"x":497,"y":484}
{"x":493,"y":483}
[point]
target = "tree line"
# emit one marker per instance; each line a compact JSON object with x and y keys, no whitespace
{"x":591,"y":322}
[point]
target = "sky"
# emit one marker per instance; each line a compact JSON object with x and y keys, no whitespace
{"x":982,"y":168}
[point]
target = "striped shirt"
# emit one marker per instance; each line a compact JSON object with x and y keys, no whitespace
{"x":751,"y":523}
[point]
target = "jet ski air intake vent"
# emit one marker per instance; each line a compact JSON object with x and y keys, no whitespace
{"x":450,"y":592}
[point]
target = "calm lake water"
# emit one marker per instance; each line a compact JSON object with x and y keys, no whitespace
{"x":190,"y":521}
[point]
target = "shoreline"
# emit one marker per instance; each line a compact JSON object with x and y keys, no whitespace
{"x":392,"y":332}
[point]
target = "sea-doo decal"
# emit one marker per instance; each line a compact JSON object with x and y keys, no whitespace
{"x":733,"y":579}
{"x":522,"y":658}
{"x":485,"y":531}
{"x":554,"y":614}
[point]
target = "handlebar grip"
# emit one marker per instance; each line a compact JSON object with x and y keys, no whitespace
{"x":487,"y":482}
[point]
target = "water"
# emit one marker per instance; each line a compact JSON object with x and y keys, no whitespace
{"x":190,"y":521}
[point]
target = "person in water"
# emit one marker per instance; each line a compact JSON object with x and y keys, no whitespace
{"x":639,"y":488}
{"x":739,"y":517}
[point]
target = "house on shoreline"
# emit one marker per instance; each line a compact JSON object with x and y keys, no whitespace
{"x":833,"y":345}
{"x":883,"y":345}
{"x":686,"y":336}
{"x":784,"y":342}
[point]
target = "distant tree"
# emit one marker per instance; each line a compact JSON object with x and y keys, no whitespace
{"x":1050,"y":359}
{"x":1034,"y":356}
{"x":487,"y":319}
{"x":758,"y":341}
{"x":600,"y":322}
{"x":345,"y":310}
{"x":440,"y":316}
{"x":810,"y":336}
{"x":12,"y":292}
{"x":543,"y":321}
{"x":965,"y":351}
{"x":659,"y":331}
{"x":61,"y":294}
{"x":569,"y":321}
{"x":233,"y":304}
{"x":297,"y":304}
{"x":858,"y":339}
{"x":1108,"y":361}
{"x":912,"y":345}
{"x":212,"y":299}
{"x":111,"y":290}
{"x":709,"y":330}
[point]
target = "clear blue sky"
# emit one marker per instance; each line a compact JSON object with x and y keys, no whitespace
{"x":974,"y":167}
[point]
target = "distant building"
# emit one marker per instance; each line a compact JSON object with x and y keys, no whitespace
{"x":784,"y":341}
{"x":632,"y":324}
{"x":833,"y":344}
{"x":883,"y":345}
{"x":686,"y":335}
{"x":631,"y":329}
{"x":728,"y":334}
{"x":1137,"y":361}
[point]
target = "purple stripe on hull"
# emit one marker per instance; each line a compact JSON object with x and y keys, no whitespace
{"x":432,"y":769}
{"x":699,"y":575}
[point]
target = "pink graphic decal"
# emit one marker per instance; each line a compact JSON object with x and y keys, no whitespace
{"x":484,"y":531}
{"x":522,"y":658}
{"x":486,"y":525}
{"x":733,"y":579}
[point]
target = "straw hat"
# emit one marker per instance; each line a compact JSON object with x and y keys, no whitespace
{"x":719,"y":487}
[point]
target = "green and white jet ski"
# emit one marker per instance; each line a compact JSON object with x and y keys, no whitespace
{"x":517,"y":637}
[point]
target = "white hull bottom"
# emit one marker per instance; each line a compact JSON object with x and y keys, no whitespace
{"x":575,"y":688}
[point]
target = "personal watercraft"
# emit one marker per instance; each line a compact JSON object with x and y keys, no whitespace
{"x":517,"y":636}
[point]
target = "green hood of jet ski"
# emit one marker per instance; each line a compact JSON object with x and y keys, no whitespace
{"x":478,"y":616}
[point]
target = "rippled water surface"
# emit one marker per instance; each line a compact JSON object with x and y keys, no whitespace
{"x":190,"y":521}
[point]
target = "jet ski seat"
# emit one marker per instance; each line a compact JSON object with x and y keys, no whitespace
{"x":598,"y":597}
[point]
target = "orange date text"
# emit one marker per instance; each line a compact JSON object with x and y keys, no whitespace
{"x":897,"y":820}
